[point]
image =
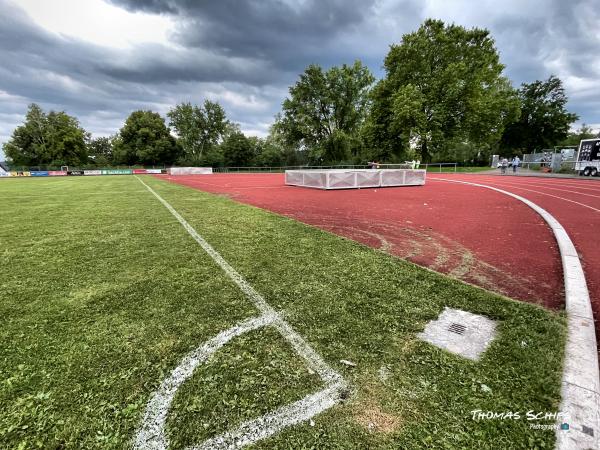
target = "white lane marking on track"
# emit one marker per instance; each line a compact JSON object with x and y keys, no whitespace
{"x":250,"y":431}
{"x":587,"y":185}
{"x":525,"y":189}
{"x":543,"y":186}
{"x":580,"y":379}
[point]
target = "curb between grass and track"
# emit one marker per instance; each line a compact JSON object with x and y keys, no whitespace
{"x":580,"y":390}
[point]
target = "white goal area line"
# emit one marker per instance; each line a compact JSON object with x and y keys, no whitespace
{"x":151,"y":434}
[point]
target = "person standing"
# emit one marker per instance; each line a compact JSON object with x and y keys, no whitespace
{"x":503,"y":165}
{"x":515,"y":163}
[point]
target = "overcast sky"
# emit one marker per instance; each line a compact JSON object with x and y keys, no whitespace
{"x":100,"y":60}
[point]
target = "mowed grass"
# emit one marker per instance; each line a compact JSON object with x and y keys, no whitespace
{"x":103,"y":293}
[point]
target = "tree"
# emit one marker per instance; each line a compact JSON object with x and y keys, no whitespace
{"x":100,"y":150}
{"x":47,"y":139}
{"x":544,"y":119}
{"x":326,"y":109}
{"x":268,"y":152}
{"x":574,"y":137}
{"x":443,"y":85}
{"x":199,"y":128}
{"x":145,"y":139}
{"x":237,"y":150}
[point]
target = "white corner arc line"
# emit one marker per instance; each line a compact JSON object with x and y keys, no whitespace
{"x":151,"y":434}
{"x":269,"y":424}
{"x":581,"y":378}
{"x":283,"y":417}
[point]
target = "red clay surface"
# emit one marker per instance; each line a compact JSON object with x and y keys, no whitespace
{"x":474,"y":234}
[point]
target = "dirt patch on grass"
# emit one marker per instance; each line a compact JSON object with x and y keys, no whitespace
{"x":371,"y":417}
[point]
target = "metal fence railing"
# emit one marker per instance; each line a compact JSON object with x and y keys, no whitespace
{"x":281,"y":169}
{"x":430,"y":167}
{"x":439,"y":167}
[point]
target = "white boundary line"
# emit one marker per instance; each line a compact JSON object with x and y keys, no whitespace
{"x":151,"y":434}
{"x":271,"y":423}
{"x":543,"y":186}
{"x":581,"y":379}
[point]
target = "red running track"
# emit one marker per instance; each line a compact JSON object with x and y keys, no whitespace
{"x":575,"y":203}
{"x":474,"y":234}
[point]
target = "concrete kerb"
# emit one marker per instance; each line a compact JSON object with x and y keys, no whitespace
{"x":581,"y":378}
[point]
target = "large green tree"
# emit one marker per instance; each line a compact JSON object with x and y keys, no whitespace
{"x":145,"y":139}
{"x":237,"y":149}
{"x":100,"y":151}
{"x":443,"y":85}
{"x":326,"y":109}
{"x":268,"y":152}
{"x":53,"y":138}
{"x":544,"y":120}
{"x":199,"y":128}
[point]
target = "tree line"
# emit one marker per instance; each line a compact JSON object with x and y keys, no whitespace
{"x":443,"y":97}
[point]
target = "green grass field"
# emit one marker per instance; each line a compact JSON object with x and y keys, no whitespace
{"x":103,"y":293}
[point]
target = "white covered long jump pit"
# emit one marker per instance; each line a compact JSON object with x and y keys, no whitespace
{"x":355,"y":178}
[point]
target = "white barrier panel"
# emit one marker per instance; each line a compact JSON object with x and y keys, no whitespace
{"x":355,"y":178}
{"x":190,"y":170}
{"x":92,"y":172}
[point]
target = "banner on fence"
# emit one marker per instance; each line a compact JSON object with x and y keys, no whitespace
{"x":155,"y":170}
{"x":117,"y":172}
{"x":57,"y":173}
{"x":39,"y":173}
{"x":140,"y":171}
{"x":76,"y":173}
{"x":92,"y":172}
{"x":20,"y":173}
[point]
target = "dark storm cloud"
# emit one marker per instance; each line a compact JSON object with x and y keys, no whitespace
{"x":288,"y":34}
{"x":245,"y":54}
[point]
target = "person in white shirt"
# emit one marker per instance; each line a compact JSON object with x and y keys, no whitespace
{"x":515,"y":163}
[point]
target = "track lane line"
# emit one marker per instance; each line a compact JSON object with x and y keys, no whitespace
{"x":587,"y":185}
{"x":541,"y":186}
{"x":524,"y":189}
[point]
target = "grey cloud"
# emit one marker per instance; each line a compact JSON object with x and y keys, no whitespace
{"x":245,"y":54}
{"x":289,"y":34}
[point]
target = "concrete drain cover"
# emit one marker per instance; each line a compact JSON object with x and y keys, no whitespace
{"x":460,"y":332}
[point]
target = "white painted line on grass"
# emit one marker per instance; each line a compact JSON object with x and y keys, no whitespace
{"x":581,"y":378}
{"x":152,"y":429}
{"x":271,"y":423}
{"x":151,"y":435}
